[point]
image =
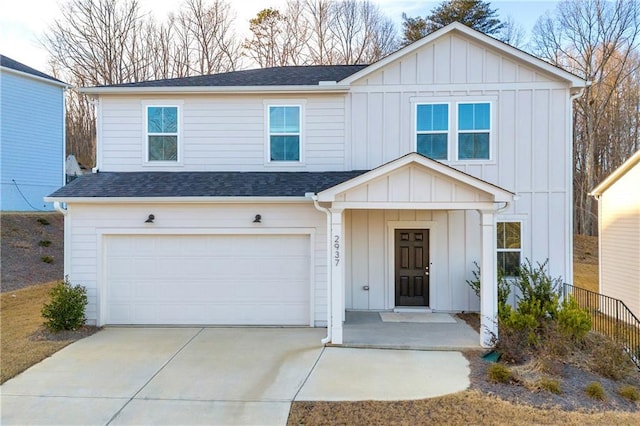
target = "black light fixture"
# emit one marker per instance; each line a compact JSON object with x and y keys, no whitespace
{"x":150,"y":219}
{"x":257,"y":219}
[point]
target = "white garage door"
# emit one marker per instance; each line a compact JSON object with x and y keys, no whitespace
{"x":207,"y":279}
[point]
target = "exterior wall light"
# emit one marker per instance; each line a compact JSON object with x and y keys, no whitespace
{"x":257,"y":219}
{"x":150,"y":219}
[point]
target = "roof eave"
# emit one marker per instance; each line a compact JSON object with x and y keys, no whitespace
{"x":214,"y":89}
{"x":165,"y":200}
{"x":617,"y":174}
{"x":36,"y":77}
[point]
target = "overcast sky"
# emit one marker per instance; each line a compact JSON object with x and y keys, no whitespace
{"x":22,"y":22}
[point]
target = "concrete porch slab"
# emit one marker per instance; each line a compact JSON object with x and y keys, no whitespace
{"x":348,"y":374}
{"x":367,"y":330}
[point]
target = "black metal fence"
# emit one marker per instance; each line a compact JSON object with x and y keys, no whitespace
{"x":610,"y":317}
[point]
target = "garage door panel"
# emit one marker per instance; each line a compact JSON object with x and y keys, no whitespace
{"x":208,"y":279}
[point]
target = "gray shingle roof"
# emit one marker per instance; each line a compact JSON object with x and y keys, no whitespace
{"x":277,"y":76}
{"x":15,"y":65}
{"x":202,"y":184}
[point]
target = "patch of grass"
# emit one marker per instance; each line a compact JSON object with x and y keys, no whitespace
{"x":47,"y":259}
{"x":43,"y":221}
{"x":468,"y":407}
{"x":44,"y":243}
{"x":629,"y":392}
{"x":594,"y":390}
{"x":20,"y":315}
{"x":499,"y":373}
{"x":550,"y":385}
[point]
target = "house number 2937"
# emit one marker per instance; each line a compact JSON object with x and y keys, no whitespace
{"x":336,"y":249}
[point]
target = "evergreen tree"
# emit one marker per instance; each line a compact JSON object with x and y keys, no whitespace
{"x":476,"y":14}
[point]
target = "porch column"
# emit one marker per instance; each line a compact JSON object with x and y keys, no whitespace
{"x":488,"y":280}
{"x":337,"y":275}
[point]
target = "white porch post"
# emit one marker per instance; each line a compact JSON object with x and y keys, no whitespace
{"x":488,"y":280}
{"x":337,"y":275}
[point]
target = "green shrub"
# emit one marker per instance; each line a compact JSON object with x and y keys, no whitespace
{"x":47,"y":259}
{"x":573,"y":321}
{"x":499,"y":373}
{"x":539,"y":293}
{"x":66,"y":309}
{"x":629,"y":392}
{"x":44,"y":243}
{"x":43,"y":221}
{"x":594,"y":390}
{"x":550,"y":385}
{"x":504,"y":288}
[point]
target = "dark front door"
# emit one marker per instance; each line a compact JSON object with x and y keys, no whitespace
{"x":412,"y":267}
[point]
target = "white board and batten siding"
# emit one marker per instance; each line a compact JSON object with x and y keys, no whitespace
{"x":620,"y":240}
{"x":530,"y":131}
{"x":167,"y":272}
{"x":221,"y":133}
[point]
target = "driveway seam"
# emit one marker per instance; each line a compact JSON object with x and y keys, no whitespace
{"x":309,"y":374}
{"x":153,"y":376}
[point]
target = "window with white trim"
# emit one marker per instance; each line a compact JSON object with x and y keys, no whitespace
{"x":432,"y":130}
{"x":474,"y":127}
{"x":462,"y":129}
{"x":509,"y":247}
{"x":284,"y":132}
{"x":162,"y":133}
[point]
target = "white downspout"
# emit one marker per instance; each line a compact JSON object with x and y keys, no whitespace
{"x":59,"y":208}
{"x":314,"y":197}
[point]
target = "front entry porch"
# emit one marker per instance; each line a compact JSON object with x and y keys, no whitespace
{"x":403,"y":235}
{"x":367,"y":330}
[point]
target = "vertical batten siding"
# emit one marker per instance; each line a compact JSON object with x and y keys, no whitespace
{"x":88,"y":220}
{"x":455,"y":241}
{"x":620,"y":240}
{"x":32,"y":148}
{"x":223,"y":133}
{"x":529,"y":133}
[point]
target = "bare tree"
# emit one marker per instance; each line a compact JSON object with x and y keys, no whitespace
{"x":512,"y":33}
{"x":596,"y":39}
{"x":319,"y":17}
{"x":278,"y":38}
{"x":209,"y":41}
{"x":321,"y":32}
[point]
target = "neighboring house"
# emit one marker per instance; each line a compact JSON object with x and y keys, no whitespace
{"x":286,"y":196}
{"x":619,"y":233}
{"x":32,"y":136}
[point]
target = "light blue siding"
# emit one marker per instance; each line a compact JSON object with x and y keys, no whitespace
{"x":31,"y":142}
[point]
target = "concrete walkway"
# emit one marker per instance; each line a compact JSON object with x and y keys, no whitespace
{"x":126,"y":376}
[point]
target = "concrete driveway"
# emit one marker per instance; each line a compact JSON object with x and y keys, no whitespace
{"x":216,"y":376}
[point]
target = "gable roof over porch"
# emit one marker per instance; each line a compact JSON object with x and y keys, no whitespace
{"x":415,"y":182}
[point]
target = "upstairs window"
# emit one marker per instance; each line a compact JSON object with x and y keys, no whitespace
{"x":162,"y":133}
{"x":284,"y":133}
{"x":509,"y":247}
{"x":473,"y":131}
{"x":432,"y":130}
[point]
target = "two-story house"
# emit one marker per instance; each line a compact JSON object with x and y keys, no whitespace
{"x":286,"y":196}
{"x":32,"y":133}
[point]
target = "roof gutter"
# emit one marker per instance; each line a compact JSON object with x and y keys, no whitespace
{"x":312,"y":88}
